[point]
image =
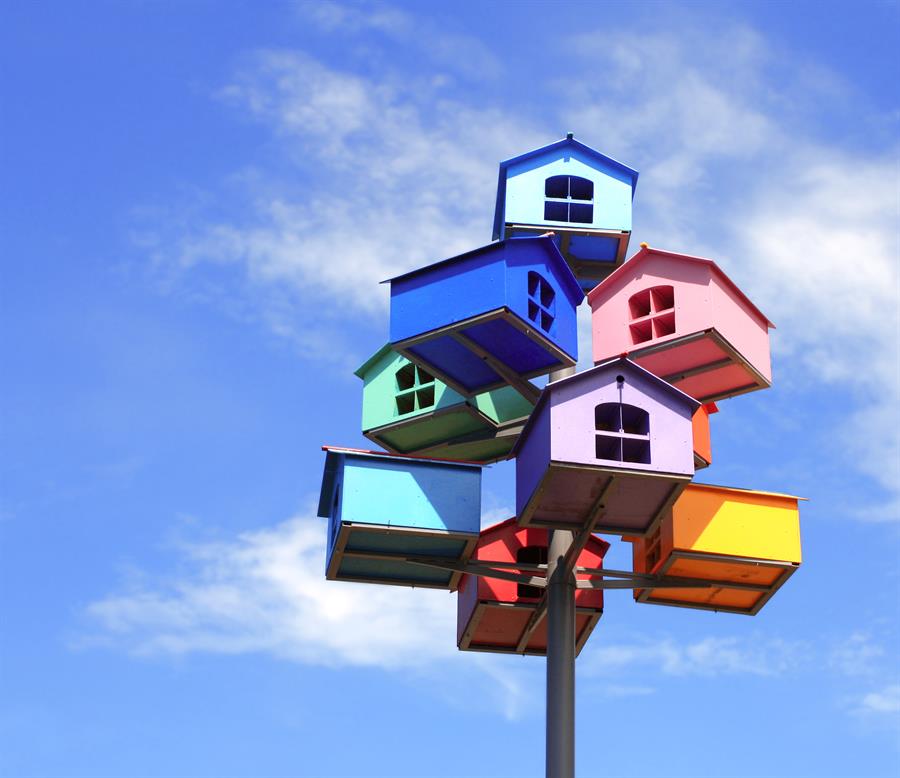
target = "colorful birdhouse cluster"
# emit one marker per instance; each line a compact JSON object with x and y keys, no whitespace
{"x":612,"y":449}
{"x":493,"y":614}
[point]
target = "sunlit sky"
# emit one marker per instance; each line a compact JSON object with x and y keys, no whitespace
{"x":199,"y":200}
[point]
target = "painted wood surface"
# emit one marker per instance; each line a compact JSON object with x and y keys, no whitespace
{"x":408,"y":411}
{"x":702,"y":436}
{"x":384,"y":505}
{"x":591,"y":435}
{"x":492,"y":614}
{"x":683,"y":319}
{"x":735,"y":536}
{"x":591,"y":218}
{"x":514,"y":299}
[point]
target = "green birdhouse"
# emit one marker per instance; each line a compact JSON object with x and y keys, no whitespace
{"x":406,"y":410}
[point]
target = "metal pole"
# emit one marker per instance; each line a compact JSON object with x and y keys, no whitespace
{"x":560,"y":660}
{"x":560,"y":651}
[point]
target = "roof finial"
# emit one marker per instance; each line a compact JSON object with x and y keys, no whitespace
{"x":569,"y":136}
{"x":645,"y":245}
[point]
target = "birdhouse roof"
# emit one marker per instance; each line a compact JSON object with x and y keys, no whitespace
{"x":364,"y":367}
{"x":546,"y":244}
{"x":622,"y":363}
{"x":716,"y":487}
{"x":646,"y":252}
{"x":567,"y":142}
{"x":333,"y":452}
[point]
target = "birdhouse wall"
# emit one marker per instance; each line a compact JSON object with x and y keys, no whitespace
{"x":533,"y":455}
{"x":622,"y":321}
{"x":701,"y":434}
{"x":390,"y":395}
{"x":741,"y":325}
{"x":526,"y":193}
{"x":574,"y":406}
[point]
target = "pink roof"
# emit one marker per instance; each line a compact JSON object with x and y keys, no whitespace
{"x":647,"y":251}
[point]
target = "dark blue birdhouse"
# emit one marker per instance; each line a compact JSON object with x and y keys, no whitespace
{"x":385,"y":510}
{"x":581,"y":195}
{"x":489,"y":318}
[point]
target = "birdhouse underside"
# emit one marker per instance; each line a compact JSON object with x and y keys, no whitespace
{"x":498,"y":627}
{"x":742,"y":585}
{"x":591,"y":254}
{"x":629,"y":503}
{"x":425,"y":431}
{"x":485,"y":352}
{"x":373,"y":554}
{"x":703,"y":365}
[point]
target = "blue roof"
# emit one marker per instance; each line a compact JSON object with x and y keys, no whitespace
{"x":567,"y":279}
{"x":567,"y":142}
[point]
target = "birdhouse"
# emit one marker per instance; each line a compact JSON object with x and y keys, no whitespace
{"x":702,"y":441}
{"x":614,"y":441}
{"x":406,"y":410}
{"x":747,"y":543}
{"x":492,"y":317}
{"x":579,"y":194}
{"x":493,"y":614}
{"x":384,"y":510}
{"x":683,"y":319}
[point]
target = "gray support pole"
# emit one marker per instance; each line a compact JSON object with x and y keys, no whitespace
{"x":560,"y":651}
{"x":560,"y":660}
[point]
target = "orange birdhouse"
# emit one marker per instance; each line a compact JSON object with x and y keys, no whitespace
{"x":746,"y":543}
{"x":702,"y":441}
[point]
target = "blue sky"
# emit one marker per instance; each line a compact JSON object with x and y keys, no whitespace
{"x":198,"y":202}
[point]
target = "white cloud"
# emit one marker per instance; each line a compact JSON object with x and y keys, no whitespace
{"x":265,"y":591}
{"x":882,"y":701}
{"x":858,"y":655}
{"x":708,"y":657}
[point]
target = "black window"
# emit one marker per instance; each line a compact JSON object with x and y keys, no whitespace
{"x":623,"y":433}
{"x":569,"y":199}
{"x":541,"y":301}
{"x":530,"y":555}
{"x":415,"y":389}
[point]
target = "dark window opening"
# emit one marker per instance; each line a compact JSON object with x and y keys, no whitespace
{"x":541,"y":301}
{"x":415,"y":389}
{"x":569,"y":199}
{"x":530,"y":555}
{"x":652,"y":313}
{"x":623,"y":433}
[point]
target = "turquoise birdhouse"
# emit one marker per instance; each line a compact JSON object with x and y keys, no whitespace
{"x":406,"y":410}
{"x":581,"y":195}
{"x":384,"y":511}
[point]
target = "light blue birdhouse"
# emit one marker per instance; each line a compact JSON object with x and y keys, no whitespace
{"x":384,"y":510}
{"x":579,"y":194}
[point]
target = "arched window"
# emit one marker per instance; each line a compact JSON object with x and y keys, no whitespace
{"x":415,"y":389}
{"x":541,"y":301}
{"x":652,"y":313}
{"x":530,"y":555}
{"x":569,"y":199}
{"x":623,"y":433}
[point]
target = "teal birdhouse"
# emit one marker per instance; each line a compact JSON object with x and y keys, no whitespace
{"x":406,"y":410}
{"x":579,"y":194}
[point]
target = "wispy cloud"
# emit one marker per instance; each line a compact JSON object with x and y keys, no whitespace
{"x":708,"y":657}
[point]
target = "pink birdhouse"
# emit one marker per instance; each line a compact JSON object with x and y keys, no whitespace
{"x":494,"y":615}
{"x":683,"y":319}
